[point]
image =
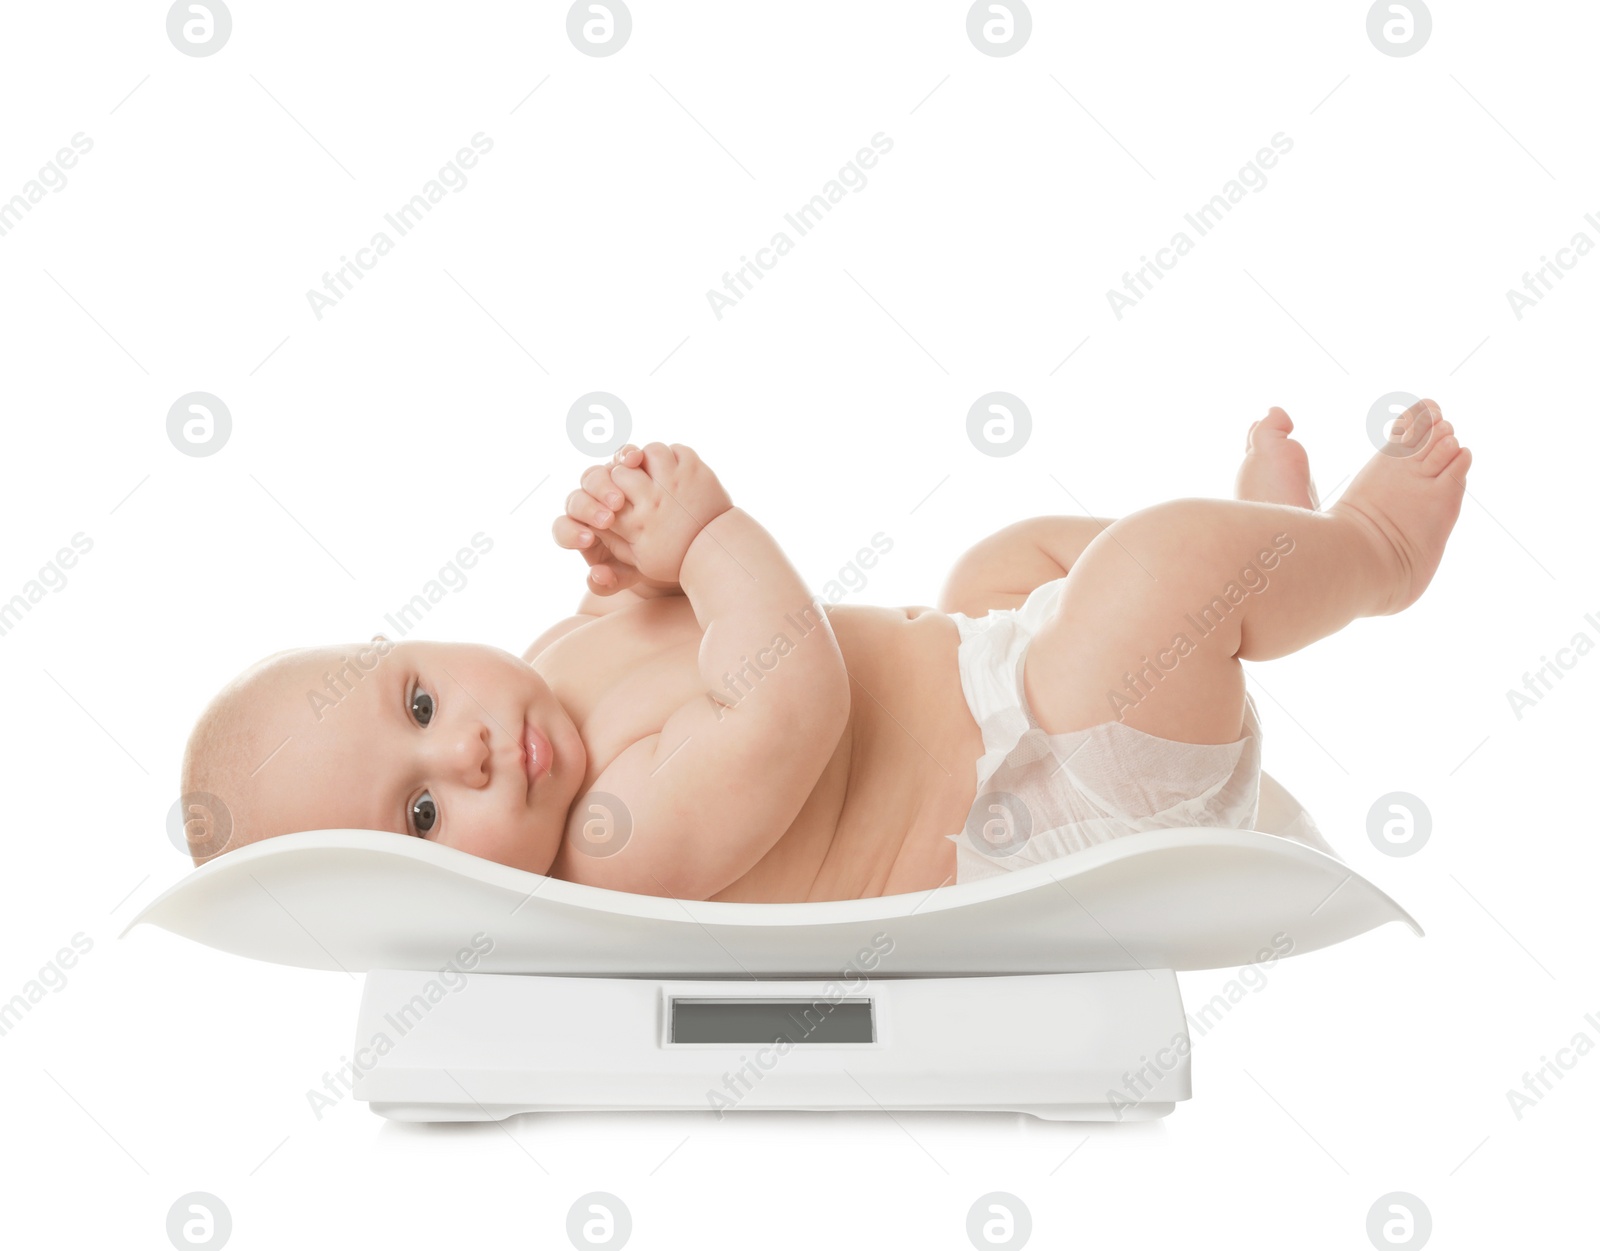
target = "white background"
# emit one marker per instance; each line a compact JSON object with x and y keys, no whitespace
{"x":369,"y":445}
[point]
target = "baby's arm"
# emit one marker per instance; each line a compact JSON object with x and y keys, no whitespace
{"x":731,"y":768}
{"x":1003,"y":569}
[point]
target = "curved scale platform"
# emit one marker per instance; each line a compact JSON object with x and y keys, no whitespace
{"x":1166,"y":899}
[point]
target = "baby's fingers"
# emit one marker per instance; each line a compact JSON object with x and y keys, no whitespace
{"x":611,"y":565}
{"x":607,"y":579}
{"x":608,"y":569}
{"x":597,"y":482}
{"x":659,"y":465}
{"x":589,"y":510}
{"x":603,"y":548}
{"x":641,"y":492}
{"x":573,"y":535}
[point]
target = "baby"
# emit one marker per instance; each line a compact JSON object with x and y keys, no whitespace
{"x":703,"y":728}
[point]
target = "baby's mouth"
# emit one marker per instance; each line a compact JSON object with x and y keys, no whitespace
{"x":538,"y":758}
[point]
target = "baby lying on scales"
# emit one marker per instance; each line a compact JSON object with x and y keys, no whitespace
{"x":704,"y":728}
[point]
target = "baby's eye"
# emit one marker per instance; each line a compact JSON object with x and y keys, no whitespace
{"x":422,"y":706}
{"x":424,"y":813}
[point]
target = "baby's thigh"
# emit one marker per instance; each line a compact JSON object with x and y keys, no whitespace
{"x":1131,"y":640}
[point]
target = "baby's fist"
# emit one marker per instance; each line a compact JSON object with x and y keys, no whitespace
{"x":672,"y":496}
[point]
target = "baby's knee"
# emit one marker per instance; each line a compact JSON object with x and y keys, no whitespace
{"x":1176,"y":538}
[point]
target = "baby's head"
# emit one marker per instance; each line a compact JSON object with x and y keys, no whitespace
{"x":425,"y":740}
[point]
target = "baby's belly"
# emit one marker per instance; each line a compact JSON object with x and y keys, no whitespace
{"x":901,"y":778}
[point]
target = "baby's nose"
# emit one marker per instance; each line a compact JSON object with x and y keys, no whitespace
{"x":463,"y":755}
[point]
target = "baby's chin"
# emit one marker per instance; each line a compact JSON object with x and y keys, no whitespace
{"x":531,"y":851}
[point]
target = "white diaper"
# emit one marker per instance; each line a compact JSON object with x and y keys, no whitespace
{"x":1041,"y":796}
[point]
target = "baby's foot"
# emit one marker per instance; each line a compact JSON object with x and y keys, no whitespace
{"x":1276,"y":469}
{"x":1407,"y":498}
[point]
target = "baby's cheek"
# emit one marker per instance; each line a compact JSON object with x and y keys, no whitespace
{"x":495,"y":839}
{"x":500,"y":839}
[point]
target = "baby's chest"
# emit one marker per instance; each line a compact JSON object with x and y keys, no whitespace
{"x":639,"y":699}
{"x":627,"y":673}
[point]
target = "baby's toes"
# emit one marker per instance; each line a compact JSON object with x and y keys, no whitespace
{"x":1428,"y":439}
{"x":1415,"y":427}
{"x":1442,"y":452}
{"x":1266,"y":431}
{"x":1402,"y":430}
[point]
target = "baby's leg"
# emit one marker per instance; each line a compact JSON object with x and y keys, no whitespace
{"x":1003,"y":569}
{"x":1157,"y":613}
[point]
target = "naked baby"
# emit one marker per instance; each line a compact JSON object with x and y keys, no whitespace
{"x":703,"y":728}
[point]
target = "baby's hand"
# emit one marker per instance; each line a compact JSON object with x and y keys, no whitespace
{"x":586,"y":527}
{"x":670,"y":499}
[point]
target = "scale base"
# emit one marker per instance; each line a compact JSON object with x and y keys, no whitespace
{"x":1057,"y":1046}
{"x":442,"y":1112}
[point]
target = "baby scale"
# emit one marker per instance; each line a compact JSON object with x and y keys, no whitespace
{"x":1051,"y":990}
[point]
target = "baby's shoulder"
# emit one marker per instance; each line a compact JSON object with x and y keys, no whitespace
{"x":563,"y":627}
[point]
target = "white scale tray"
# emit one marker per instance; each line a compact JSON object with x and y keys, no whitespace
{"x":568,"y":1030}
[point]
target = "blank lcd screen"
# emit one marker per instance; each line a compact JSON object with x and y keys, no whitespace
{"x":738,"y":1021}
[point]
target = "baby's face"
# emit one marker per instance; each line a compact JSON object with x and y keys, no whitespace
{"x":426,"y":740}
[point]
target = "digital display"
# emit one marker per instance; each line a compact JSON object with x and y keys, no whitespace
{"x":744,"y":1021}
